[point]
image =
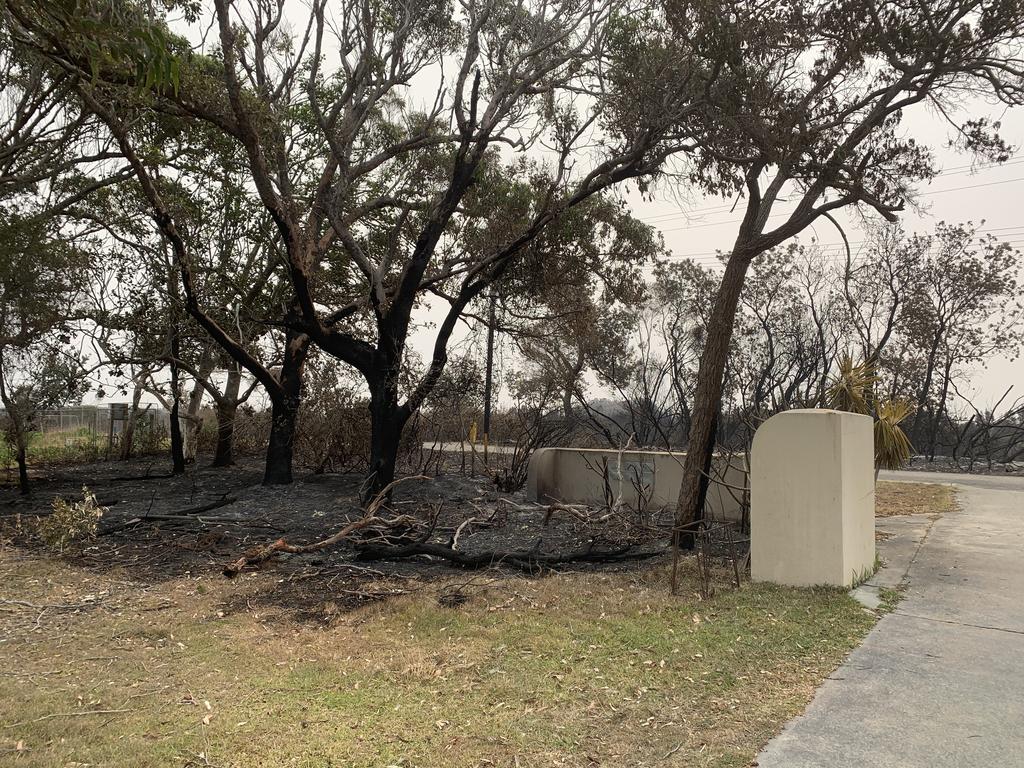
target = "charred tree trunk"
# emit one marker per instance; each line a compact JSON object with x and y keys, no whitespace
{"x":224,"y":454}
{"x":707,"y":399}
{"x":226,"y":410}
{"x":177,"y":441}
{"x":940,"y":413}
{"x":22,"y":459}
{"x":280,"y":448}
{"x":285,"y":411}
{"x":387,"y":420}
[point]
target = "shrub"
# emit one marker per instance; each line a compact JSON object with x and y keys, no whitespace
{"x":71,"y":521}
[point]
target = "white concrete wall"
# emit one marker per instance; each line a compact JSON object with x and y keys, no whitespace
{"x":574,"y":475}
{"x":812,"y":515}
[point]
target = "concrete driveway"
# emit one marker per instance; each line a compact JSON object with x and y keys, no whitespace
{"x":998,"y":482}
{"x":939,"y":682}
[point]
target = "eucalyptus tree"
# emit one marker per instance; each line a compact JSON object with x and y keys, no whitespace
{"x":384,"y":193}
{"x":968,"y":306}
{"x":40,"y":288}
{"x":779,"y":361}
{"x":652,"y":377}
{"x":809,"y":121}
{"x":878,"y":285}
{"x":568,"y":301}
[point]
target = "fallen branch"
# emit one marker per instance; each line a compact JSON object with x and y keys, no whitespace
{"x":268,"y":551}
{"x":180,"y":514}
{"x":458,"y":532}
{"x":579,"y":511}
{"x":526,"y":560}
{"x":133,"y":478}
{"x":224,"y":501}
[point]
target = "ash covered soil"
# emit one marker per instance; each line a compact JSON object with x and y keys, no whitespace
{"x":157,"y":528}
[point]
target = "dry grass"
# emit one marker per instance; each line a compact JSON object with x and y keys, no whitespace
{"x":913,"y":499}
{"x":570,"y":670}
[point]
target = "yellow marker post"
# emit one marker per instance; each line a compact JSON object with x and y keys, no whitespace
{"x":472,"y":448}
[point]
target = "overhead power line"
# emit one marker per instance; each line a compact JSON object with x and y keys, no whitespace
{"x":784,"y":214}
{"x":697,"y":212}
{"x":998,"y":231}
{"x":828,"y":252}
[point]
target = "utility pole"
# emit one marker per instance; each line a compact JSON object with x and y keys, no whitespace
{"x":488,"y":375}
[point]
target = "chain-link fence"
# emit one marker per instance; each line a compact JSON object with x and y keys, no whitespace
{"x":92,"y":430}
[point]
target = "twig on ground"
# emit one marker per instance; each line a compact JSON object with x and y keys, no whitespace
{"x":52,"y":607}
{"x":458,"y":531}
{"x":68,"y":714}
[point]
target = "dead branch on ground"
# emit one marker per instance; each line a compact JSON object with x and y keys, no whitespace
{"x":370,"y":519}
{"x":224,"y":501}
{"x":530,"y":560}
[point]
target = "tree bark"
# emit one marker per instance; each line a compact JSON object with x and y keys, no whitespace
{"x":226,"y":411}
{"x":18,"y":428}
{"x":23,"y":484}
{"x":224,"y":454}
{"x":193,"y":421}
{"x":128,"y":436}
{"x":177,"y":442}
{"x":707,"y":398}
{"x":387,"y":420}
{"x":285,"y":410}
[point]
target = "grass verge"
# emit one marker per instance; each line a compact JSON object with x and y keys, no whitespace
{"x":568,"y":670}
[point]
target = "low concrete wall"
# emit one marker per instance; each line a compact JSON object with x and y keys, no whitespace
{"x":812,"y":485}
{"x":576,"y":475}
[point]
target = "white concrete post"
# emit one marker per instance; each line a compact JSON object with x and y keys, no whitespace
{"x":812,"y":503}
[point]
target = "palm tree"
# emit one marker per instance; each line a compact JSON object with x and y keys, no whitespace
{"x":852,"y":389}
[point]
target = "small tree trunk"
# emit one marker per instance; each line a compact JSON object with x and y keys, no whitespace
{"x":926,"y":386}
{"x":128,"y":436}
{"x":23,"y":484}
{"x":707,"y":398}
{"x":933,"y":438}
{"x":177,"y":441}
{"x":226,"y":410}
{"x":193,"y":423}
{"x":224,"y":454}
{"x":280,"y":448}
{"x":18,"y":428}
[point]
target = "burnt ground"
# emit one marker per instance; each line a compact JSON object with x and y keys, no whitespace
{"x":978,"y":467}
{"x":158,"y":528}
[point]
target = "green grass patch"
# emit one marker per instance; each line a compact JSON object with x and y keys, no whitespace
{"x":890,"y":597}
{"x":569,"y":670}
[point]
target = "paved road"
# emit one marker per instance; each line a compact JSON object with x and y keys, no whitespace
{"x":999,"y":482}
{"x":939,"y":683}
